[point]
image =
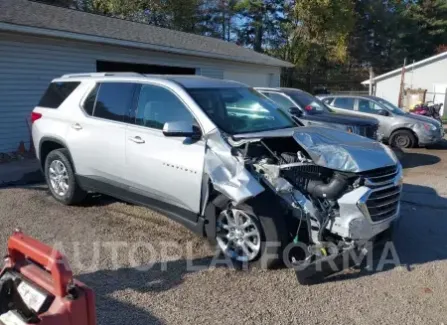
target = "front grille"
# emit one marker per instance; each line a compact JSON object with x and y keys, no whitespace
{"x":383,"y":204}
{"x":368,"y":131}
{"x":371,"y":132}
{"x":380,"y":175}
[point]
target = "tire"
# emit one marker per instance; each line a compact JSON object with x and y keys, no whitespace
{"x":64,"y":189}
{"x":403,"y":139}
{"x":263,"y":214}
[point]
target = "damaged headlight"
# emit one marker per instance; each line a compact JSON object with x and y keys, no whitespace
{"x":429,"y":127}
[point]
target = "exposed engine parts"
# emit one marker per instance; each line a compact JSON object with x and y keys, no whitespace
{"x":309,"y":189}
{"x":331,"y":201}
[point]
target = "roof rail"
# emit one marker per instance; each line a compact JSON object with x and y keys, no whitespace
{"x":102,"y":74}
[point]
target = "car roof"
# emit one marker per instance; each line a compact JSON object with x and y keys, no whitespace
{"x":282,"y":89}
{"x":348,"y":96}
{"x":186,"y":81}
{"x":191,"y":81}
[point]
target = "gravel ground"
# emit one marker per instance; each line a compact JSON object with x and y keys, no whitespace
{"x":413,"y":293}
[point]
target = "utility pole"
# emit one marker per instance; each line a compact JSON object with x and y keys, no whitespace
{"x":371,"y":79}
{"x":402,"y":84}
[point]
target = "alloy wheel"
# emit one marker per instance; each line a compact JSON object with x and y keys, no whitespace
{"x":238,"y":236}
{"x":58,"y":176}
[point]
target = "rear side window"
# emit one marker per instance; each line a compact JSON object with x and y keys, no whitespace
{"x":345,"y":103}
{"x":327,"y":100}
{"x":114,"y":100}
{"x":90,"y":101}
{"x":57,"y":93}
{"x":280,"y":100}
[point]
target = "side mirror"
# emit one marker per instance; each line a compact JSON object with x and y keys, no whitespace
{"x":181,"y":129}
{"x":383,"y":112}
{"x":295,"y":111}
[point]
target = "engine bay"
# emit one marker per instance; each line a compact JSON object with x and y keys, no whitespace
{"x":310,"y":190}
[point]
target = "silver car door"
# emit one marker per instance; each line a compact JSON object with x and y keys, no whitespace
{"x":96,"y":136}
{"x":343,"y":105}
{"x":168,"y":169}
{"x":368,"y":108}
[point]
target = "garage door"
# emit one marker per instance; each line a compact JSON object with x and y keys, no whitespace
{"x":250,"y":78}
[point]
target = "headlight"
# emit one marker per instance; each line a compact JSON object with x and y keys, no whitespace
{"x":429,"y":127}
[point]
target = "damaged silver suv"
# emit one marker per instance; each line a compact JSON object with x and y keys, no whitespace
{"x":221,"y":159}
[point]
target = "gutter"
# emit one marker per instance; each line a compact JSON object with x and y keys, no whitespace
{"x":118,"y":42}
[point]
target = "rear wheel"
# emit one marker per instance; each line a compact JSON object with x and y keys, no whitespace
{"x":60,"y":178}
{"x":403,"y":139}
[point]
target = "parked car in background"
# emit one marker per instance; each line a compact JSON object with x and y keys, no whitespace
{"x":396,"y":127}
{"x":309,"y":110}
{"x":223,"y":160}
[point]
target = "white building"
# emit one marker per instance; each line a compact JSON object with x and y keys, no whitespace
{"x":429,"y":74}
{"x":39,"y":42}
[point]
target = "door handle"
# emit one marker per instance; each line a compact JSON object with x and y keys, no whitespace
{"x":77,"y":126}
{"x":137,"y":139}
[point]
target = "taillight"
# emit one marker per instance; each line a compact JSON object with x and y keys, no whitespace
{"x":35,"y":116}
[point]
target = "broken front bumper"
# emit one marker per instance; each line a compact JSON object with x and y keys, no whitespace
{"x":369,"y":209}
{"x":315,"y":272}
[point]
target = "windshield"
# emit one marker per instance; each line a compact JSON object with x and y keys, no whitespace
{"x":394,"y":109}
{"x":240,"y":110}
{"x":309,"y":103}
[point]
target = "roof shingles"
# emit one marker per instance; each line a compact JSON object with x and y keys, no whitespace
{"x":34,"y":14}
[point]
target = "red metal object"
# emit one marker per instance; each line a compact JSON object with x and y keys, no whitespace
{"x":48,"y":269}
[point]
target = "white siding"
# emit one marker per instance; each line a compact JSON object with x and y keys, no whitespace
{"x":424,"y":77}
{"x":29,"y":63}
{"x":211,"y":72}
{"x":254,"y":78}
{"x":389,"y":89}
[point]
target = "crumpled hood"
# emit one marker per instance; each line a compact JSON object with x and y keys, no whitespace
{"x":343,"y":151}
{"x":334,"y":149}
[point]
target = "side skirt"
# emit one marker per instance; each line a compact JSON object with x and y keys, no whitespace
{"x":187,"y":218}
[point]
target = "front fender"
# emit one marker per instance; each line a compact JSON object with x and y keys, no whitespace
{"x":227,"y":172}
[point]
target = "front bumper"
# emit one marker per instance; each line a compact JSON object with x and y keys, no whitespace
{"x":432,"y":137}
{"x":368,"y":210}
{"x":317,"y":271}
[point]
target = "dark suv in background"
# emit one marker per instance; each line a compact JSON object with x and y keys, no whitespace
{"x":309,"y":110}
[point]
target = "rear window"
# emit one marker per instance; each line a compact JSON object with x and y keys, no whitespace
{"x":311,"y":104}
{"x":57,"y":93}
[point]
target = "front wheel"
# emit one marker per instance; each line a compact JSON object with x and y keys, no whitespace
{"x":402,"y":139}
{"x":239,"y":234}
{"x":253,"y":232}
